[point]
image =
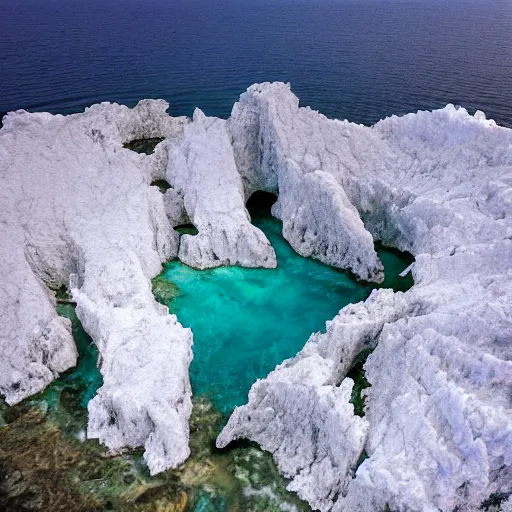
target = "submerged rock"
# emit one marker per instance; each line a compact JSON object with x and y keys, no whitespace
{"x":164,"y":290}
{"x":79,"y":476}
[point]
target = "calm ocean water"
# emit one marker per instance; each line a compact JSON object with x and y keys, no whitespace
{"x":354,"y":59}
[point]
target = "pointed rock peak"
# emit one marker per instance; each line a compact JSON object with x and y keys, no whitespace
{"x":198,"y":116}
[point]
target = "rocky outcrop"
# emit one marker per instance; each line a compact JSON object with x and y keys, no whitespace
{"x":77,"y":209}
{"x":302,"y":412}
{"x":202,"y":170}
{"x":283,"y":149}
{"x":437,"y":427}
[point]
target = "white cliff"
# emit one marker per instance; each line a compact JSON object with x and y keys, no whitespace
{"x":297,"y":153}
{"x":202,"y":170}
{"x":77,"y":210}
{"x":438,"y":418}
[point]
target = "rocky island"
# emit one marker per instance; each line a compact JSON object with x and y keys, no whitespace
{"x":82,"y":211}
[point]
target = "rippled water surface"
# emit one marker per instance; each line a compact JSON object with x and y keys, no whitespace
{"x":247,"y":321}
{"x":355,"y":59}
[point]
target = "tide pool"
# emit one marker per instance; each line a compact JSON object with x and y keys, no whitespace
{"x":247,"y":321}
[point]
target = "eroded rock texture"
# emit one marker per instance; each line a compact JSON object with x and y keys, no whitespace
{"x":202,"y":169}
{"x":301,"y":155}
{"x":78,"y":209}
{"x":438,"y":423}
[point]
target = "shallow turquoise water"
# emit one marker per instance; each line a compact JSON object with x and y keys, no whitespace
{"x":85,"y":378}
{"x":246,"y":321}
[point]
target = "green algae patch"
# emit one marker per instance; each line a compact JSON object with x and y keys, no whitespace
{"x":162,"y":185}
{"x":62,"y":296}
{"x":43,"y":466}
{"x":187,"y":229}
{"x":164,"y":290}
{"x":357,"y":374}
{"x":34,"y":467}
{"x":4,"y":409}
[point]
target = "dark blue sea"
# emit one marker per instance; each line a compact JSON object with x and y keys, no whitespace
{"x":355,"y":59}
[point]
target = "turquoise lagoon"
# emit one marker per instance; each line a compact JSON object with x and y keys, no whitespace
{"x":246,"y":321}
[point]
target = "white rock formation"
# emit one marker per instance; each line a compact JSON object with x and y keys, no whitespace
{"x":78,"y":209}
{"x":175,"y":208}
{"x":202,"y":170}
{"x":283,"y":149}
{"x":301,"y":411}
{"x":76,"y":204}
{"x":438,"y":423}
